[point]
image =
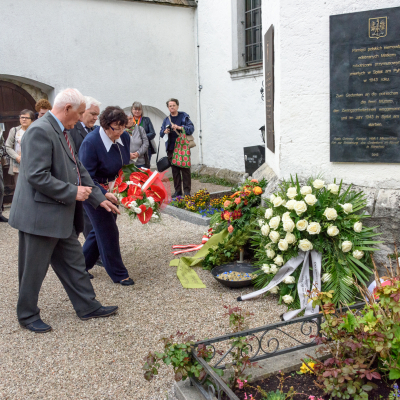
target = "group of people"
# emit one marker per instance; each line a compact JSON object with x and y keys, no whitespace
{"x":65,"y":167}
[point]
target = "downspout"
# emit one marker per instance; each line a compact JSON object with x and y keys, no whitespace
{"x":199,"y":86}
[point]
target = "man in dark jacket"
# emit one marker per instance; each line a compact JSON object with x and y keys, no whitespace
{"x":52,"y":185}
{"x":177,"y":120}
{"x":78,"y":133}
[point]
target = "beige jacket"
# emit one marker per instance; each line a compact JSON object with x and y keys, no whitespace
{"x":10,"y":146}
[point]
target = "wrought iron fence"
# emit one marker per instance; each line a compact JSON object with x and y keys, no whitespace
{"x":265,"y":342}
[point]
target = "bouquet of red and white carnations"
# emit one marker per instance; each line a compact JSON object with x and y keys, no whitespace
{"x":143,"y":193}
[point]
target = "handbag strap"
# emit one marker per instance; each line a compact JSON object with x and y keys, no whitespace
{"x":158,"y":150}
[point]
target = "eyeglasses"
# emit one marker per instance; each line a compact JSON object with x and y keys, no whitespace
{"x":25,"y":118}
{"x":119,"y":128}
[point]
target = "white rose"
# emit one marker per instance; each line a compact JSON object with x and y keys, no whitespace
{"x":283,"y":245}
{"x":289,"y":279}
{"x":288,"y":225}
{"x":330,"y":214}
{"x":290,"y":204}
{"x":137,"y":210}
{"x":358,"y":254}
{"x":290,"y":238}
{"x":310,"y":199}
{"x":300,"y":207}
{"x":314,"y":228}
{"x":348,"y":280}
{"x":302,"y":225}
{"x":272,"y":198}
{"x":260,"y":223}
{"x":333,"y":188}
{"x":326,"y":277}
{"x":278,"y":260}
{"x":133,"y":204}
{"x":270,"y":254}
{"x":333,"y":230}
{"x":318,"y":184}
{"x":270,"y":245}
{"x":265,"y":230}
{"x":278,"y":201}
{"x":346,"y":246}
{"x":269,"y":212}
{"x":274,"y":290}
{"x":286,"y":216}
{"x":305,"y":245}
{"x":291,"y":192}
{"x":357,"y":227}
{"x":274,"y":236}
{"x":306,"y":190}
{"x":287,"y":299}
{"x":265,"y":268}
{"x":274,"y":222}
{"x":273,"y":269}
{"x":347,"y":208}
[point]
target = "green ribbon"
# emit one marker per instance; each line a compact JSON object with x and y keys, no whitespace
{"x":187,"y":276}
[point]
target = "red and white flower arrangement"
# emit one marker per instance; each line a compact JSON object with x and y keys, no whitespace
{"x":141,"y":192}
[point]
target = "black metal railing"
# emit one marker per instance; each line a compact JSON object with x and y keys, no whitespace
{"x":261,"y":346}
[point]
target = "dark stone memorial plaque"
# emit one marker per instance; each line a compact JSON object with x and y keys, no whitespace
{"x":269,"y":86}
{"x":365,"y":86}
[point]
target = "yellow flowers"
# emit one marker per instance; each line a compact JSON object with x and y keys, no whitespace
{"x":257,"y":190}
{"x":307,"y":368}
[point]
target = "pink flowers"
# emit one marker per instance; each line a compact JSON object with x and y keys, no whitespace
{"x":227,"y":204}
{"x":241,"y":384}
{"x":249,"y":398}
{"x":230,"y":229}
{"x":314,"y":398}
{"x":237,"y":200}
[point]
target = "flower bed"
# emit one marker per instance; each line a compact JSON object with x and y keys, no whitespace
{"x":202,"y":202}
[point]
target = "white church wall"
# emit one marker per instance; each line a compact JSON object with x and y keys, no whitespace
{"x":231,"y":110}
{"x":115,"y":51}
{"x":302,"y":79}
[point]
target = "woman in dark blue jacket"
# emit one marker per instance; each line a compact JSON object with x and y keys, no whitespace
{"x":176,"y":121}
{"x":103,"y":153}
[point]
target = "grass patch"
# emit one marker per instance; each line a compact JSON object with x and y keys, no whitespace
{"x":213,"y":179}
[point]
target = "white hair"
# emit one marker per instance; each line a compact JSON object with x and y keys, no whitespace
{"x":69,"y":96}
{"x":90,"y":101}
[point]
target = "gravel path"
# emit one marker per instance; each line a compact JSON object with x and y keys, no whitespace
{"x":102,"y":359}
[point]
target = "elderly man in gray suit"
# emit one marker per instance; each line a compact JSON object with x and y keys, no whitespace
{"x":47,"y":211}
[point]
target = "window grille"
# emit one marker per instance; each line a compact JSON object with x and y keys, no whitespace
{"x":253,"y":32}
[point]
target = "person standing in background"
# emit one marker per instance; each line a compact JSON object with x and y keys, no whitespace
{"x":146,"y":124}
{"x":13,"y":143}
{"x":2,"y":151}
{"x":176,"y":121}
{"x":41,"y":107}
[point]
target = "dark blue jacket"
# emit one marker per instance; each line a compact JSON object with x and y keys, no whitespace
{"x":103,"y":166}
{"x":186,"y":123}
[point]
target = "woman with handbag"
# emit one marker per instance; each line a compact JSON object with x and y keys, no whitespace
{"x":146,"y":124}
{"x":179,"y":129}
{"x":13,"y":143}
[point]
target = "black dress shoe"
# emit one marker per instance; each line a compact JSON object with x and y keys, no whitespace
{"x":100,"y":313}
{"x":3,"y":218}
{"x":176,"y":194}
{"x":90,"y":275}
{"x":37,"y":326}
{"x":126,"y":282}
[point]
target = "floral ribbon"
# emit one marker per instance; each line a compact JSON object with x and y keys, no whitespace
{"x":303,"y":286}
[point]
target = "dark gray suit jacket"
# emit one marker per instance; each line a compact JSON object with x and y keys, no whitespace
{"x":78,"y":133}
{"x":44,"y":200}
